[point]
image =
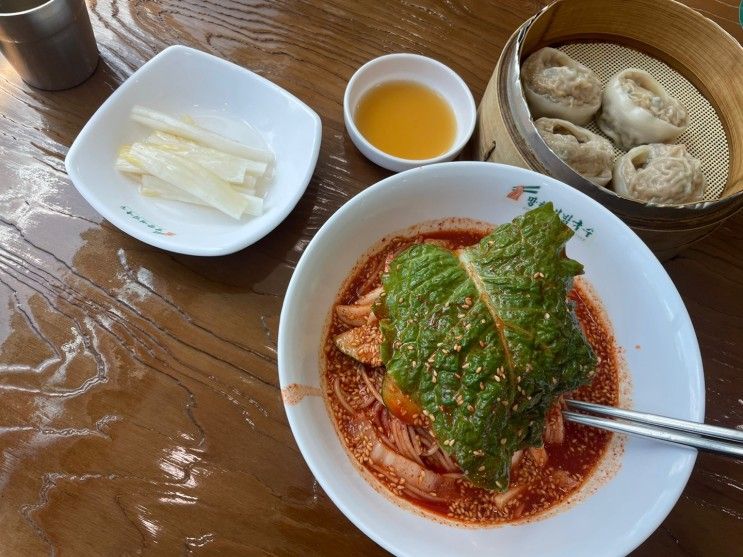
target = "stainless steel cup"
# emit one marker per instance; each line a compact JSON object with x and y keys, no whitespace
{"x":50,"y":43}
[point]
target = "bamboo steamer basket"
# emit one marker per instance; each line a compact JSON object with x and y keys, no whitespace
{"x":695,"y":59}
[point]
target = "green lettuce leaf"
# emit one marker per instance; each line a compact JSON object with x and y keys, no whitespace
{"x":484,"y":339}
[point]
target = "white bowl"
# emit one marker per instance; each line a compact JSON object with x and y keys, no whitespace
{"x":221,"y":96}
{"x":644,"y":308}
{"x":421,"y":69}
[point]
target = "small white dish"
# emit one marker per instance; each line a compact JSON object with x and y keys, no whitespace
{"x":424,"y":70}
{"x":222,"y":97}
{"x":649,"y":321}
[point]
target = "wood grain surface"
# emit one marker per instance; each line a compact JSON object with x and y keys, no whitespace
{"x":139,"y":405}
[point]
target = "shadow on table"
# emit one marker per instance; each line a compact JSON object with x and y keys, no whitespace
{"x":271,"y":259}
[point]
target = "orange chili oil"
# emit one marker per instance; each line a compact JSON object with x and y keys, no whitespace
{"x":569,"y":464}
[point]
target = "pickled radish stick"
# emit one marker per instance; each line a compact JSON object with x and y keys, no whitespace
{"x":164,"y":123}
{"x":155,"y":187}
{"x":228,"y":167}
{"x":188,"y":176}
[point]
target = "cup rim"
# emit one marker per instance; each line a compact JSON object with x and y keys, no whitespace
{"x":452,"y":151}
{"x":26,"y":11}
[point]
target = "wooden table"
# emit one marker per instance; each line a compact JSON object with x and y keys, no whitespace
{"x":139,"y":406}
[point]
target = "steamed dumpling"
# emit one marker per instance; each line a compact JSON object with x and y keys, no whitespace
{"x":659,"y":173}
{"x":589,"y":154}
{"x":636,"y":109}
{"x":557,"y":86}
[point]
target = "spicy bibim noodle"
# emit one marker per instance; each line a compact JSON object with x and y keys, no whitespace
{"x":405,"y":455}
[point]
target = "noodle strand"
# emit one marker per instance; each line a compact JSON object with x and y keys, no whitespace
{"x":341,"y":397}
{"x":372,"y":390}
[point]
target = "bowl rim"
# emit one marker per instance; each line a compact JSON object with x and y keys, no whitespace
{"x":234,"y":242}
{"x":282,"y":348}
{"x":420,"y":59}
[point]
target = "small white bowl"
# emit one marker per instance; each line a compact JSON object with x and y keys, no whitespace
{"x":421,"y":69}
{"x":650,"y":324}
{"x":222,"y":97}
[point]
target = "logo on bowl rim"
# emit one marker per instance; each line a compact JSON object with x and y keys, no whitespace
{"x":532,"y":200}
